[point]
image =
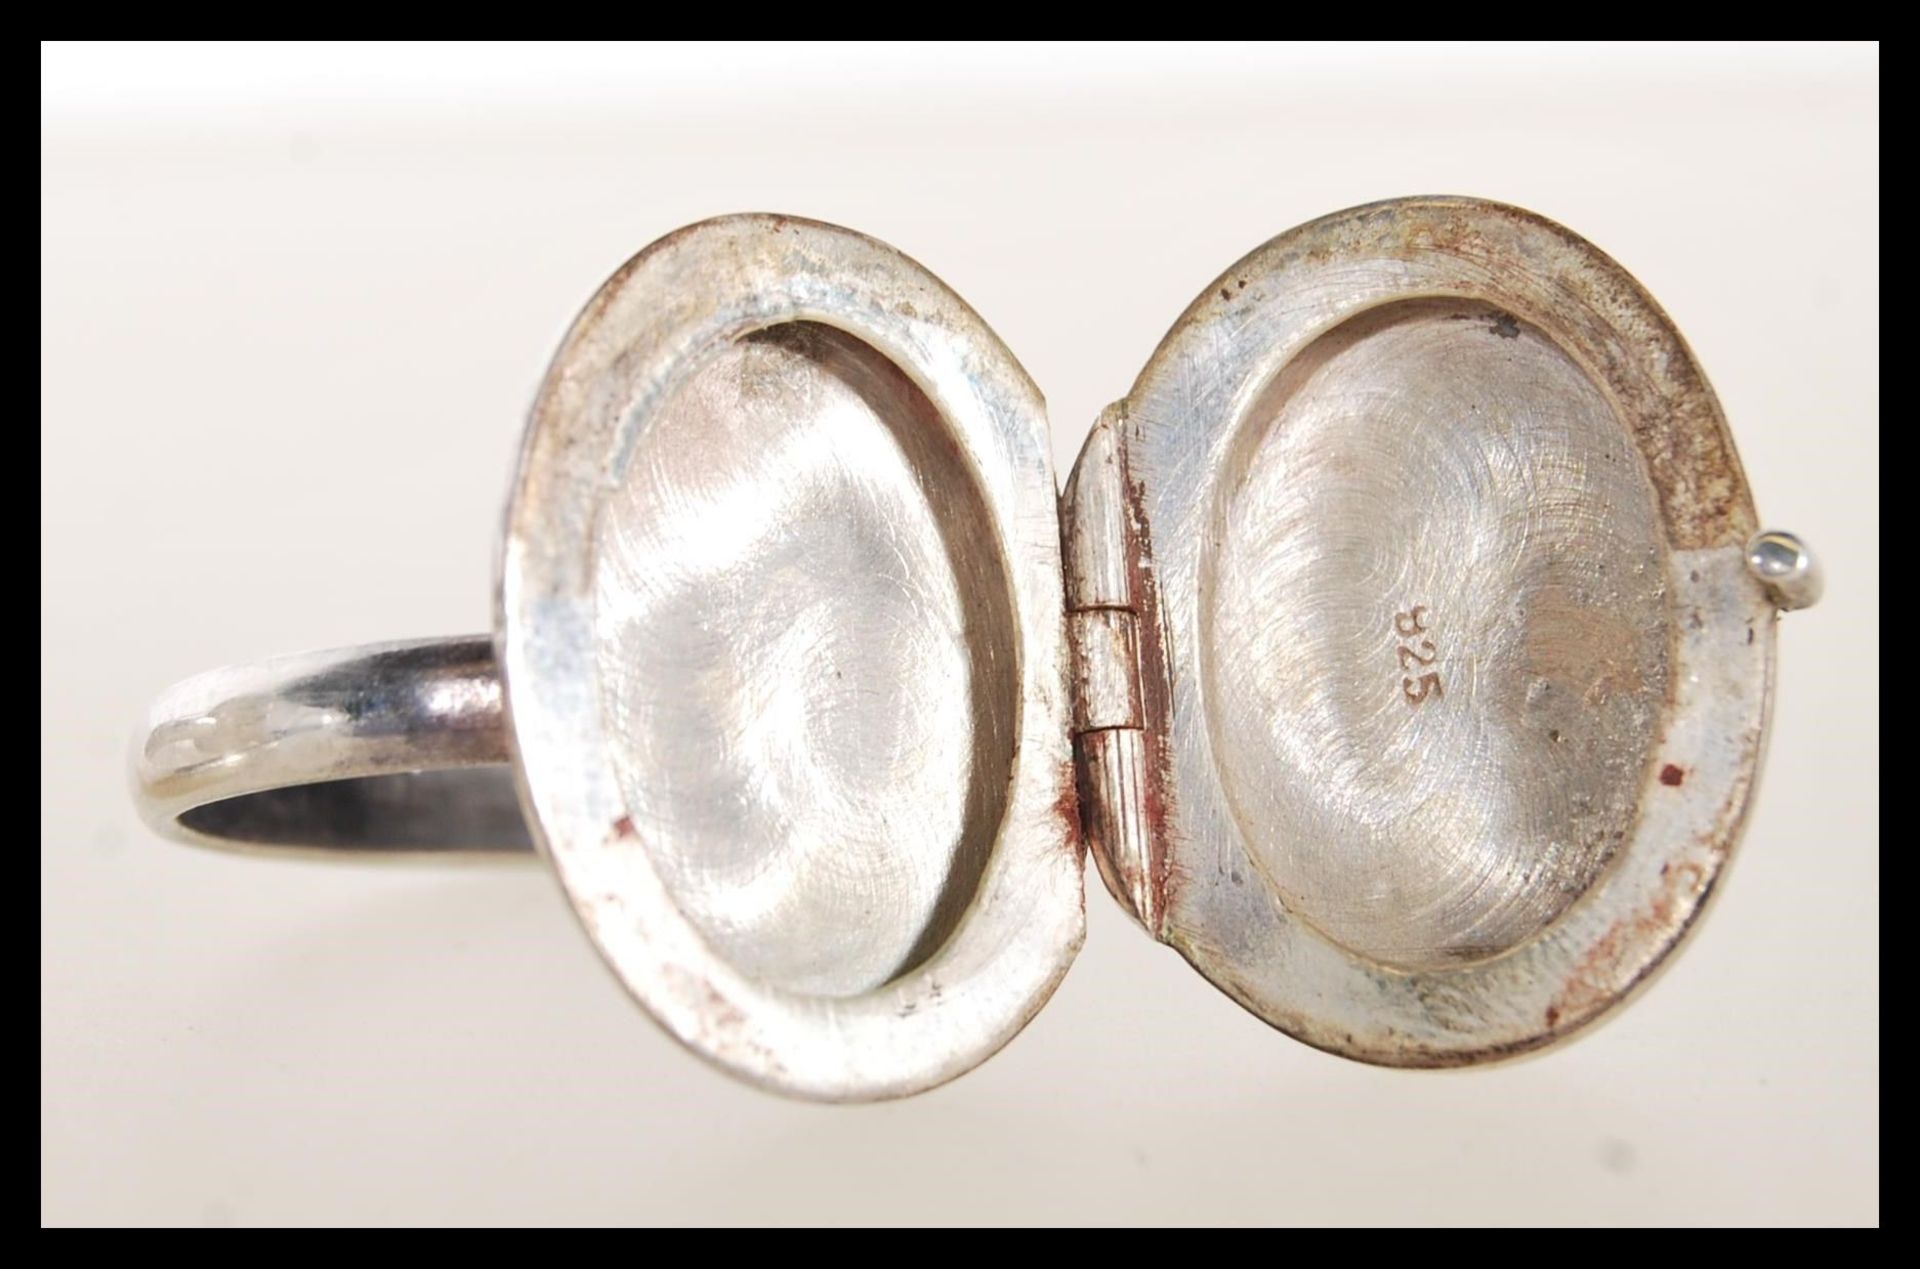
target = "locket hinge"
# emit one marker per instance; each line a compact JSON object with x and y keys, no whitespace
{"x":1119,"y":682}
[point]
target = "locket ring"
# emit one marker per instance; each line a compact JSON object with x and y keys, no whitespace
{"x":1401,"y":650}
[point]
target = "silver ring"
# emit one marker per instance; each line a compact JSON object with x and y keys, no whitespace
{"x":1401,"y":650}
{"x":381,"y":751}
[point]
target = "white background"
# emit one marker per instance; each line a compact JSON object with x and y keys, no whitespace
{"x":293,"y":303}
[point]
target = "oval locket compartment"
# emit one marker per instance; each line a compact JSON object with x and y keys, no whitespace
{"x":1393,"y":647}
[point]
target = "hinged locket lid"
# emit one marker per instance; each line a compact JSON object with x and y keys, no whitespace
{"x":780,"y":630}
{"x":1425,"y":541}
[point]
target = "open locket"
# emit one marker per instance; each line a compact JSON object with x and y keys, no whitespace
{"x":1401,"y":650}
{"x":1394,"y":649}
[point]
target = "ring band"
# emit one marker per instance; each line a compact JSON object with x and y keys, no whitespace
{"x":388,"y":748}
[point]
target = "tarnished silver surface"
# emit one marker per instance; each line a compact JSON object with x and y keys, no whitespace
{"x":1455,"y":676}
{"x":1407,"y":667}
{"x":781,"y":673}
{"x":782,"y":640}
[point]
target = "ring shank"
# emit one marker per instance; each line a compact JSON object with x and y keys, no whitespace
{"x":387,"y":748}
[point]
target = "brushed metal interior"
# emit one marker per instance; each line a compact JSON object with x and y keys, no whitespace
{"x":806,"y":660}
{"x":1455,"y":673}
{"x":783,"y":653}
{"x":1443,"y":457}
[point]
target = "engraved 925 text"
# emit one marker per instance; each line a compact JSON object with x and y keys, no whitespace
{"x":1415,"y":655}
